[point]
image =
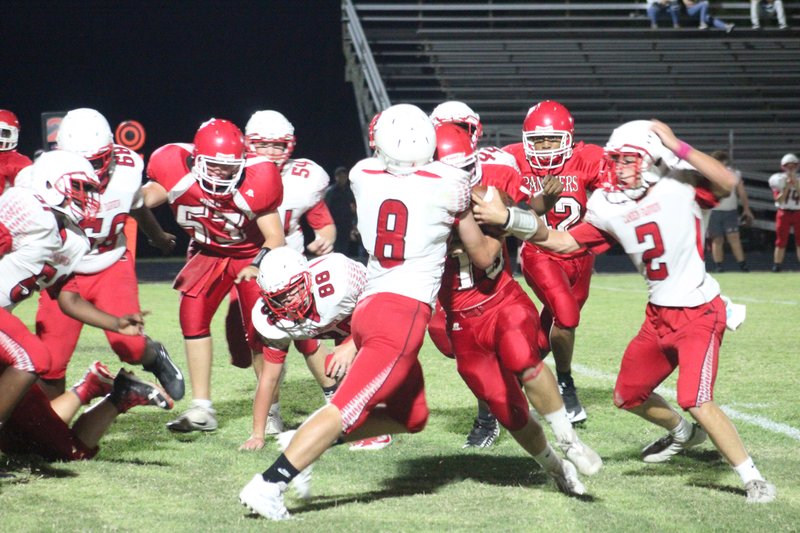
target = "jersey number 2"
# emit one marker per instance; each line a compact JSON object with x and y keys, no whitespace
{"x":656,"y":270}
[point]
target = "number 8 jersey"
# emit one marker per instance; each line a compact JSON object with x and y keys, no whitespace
{"x":405,"y":222}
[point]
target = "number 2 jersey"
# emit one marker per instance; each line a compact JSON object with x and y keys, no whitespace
{"x":304,"y":185}
{"x":405,"y":222}
{"x":336,"y":284}
{"x":663,"y":235}
{"x":39,"y":254}
{"x":222,"y":225}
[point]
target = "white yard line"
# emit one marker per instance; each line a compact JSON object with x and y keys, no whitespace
{"x":757,"y":420}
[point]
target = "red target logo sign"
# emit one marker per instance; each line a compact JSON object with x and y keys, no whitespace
{"x":130,"y":134}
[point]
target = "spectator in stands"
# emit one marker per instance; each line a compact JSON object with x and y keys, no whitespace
{"x":702,"y":10}
{"x":769,"y":8}
{"x":786,"y":191}
{"x":659,"y":7}
{"x":723,"y":223}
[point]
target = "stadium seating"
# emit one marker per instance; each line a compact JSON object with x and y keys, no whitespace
{"x":735,"y":91}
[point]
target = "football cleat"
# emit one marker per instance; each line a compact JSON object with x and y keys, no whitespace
{"x":98,"y":381}
{"x":483,"y":434}
{"x":666,"y":447}
{"x":302,"y":481}
{"x":274,"y":424}
{"x":264,"y":498}
{"x":129,"y":391}
{"x":760,"y":491}
{"x":373,"y":443}
{"x":166,"y":372}
{"x":567,"y":480}
{"x":575,"y":411}
{"x":585,"y":459}
{"x":196,"y":418}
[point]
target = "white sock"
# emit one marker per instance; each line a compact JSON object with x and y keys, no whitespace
{"x":205,"y":404}
{"x":275,"y":409}
{"x":561,"y":426}
{"x":682,"y":431}
{"x":748,"y":471}
{"x":548,"y":459}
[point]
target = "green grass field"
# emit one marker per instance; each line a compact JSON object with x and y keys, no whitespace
{"x":145,"y":478}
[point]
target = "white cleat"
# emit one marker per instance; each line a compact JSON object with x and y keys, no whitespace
{"x":760,"y":491}
{"x":274,"y":424}
{"x":265,"y":499}
{"x":567,"y":480}
{"x":585,"y":459}
{"x":666,"y":447}
{"x":196,"y":418}
{"x":302,"y":482}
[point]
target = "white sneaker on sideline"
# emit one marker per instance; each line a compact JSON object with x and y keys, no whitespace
{"x":265,"y":499}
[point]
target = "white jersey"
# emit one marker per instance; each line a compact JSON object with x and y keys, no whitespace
{"x":304,"y":185}
{"x":40,"y":255}
{"x":405,"y":222}
{"x":777,"y":183}
{"x":336,"y":284}
{"x":122,"y":194}
{"x":663,"y":235}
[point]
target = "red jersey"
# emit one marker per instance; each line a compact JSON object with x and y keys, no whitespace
{"x":463,"y":284}
{"x":579,"y":176}
{"x":11,"y":162}
{"x":222,"y":225}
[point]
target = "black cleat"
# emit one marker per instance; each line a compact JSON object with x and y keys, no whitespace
{"x":483,"y":433}
{"x":166,"y":372}
{"x":575,"y":411}
{"x":129,"y":391}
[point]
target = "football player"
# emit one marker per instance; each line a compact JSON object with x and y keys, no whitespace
{"x":269,"y":134}
{"x":786,"y":191}
{"x":227,"y":204}
{"x":40,"y":244}
{"x":560,"y":281}
{"x":407,"y":206}
{"x":11,"y":161}
{"x":106,"y":275}
{"x":652,"y":205}
{"x":493,"y":328}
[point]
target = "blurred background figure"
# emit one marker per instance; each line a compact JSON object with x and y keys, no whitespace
{"x":787,"y":200}
{"x":767,"y":9}
{"x":656,"y":8}
{"x":342,"y":206}
{"x":723,"y":223}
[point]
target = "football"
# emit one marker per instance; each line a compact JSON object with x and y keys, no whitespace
{"x":482,"y":191}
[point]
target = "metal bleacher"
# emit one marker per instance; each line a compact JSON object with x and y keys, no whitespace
{"x":738,"y":91}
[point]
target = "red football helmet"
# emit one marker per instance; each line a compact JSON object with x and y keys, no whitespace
{"x":372,"y":130}
{"x":454,"y":147}
{"x":548,"y":120}
{"x":219,"y":156}
{"x":9,"y":130}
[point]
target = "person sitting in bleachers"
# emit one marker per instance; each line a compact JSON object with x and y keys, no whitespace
{"x":769,"y":9}
{"x":659,"y":7}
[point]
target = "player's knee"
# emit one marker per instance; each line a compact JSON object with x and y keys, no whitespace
{"x":628,"y":399}
{"x":531,"y":373}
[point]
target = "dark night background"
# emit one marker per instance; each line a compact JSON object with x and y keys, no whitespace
{"x":172,"y":65}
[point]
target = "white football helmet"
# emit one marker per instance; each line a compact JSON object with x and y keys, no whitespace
{"x":86,"y":132}
{"x":455,"y":112}
{"x":68,"y":184}
{"x":9,"y":130}
{"x":270,"y":126}
{"x":634,"y":148}
{"x":404,"y":138}
{"x":285,"y":283}
{"x":789,"y":159}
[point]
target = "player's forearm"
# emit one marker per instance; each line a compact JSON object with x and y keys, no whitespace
{"x":74,"y":306}
{"x":153,"y":194}
{"x":560,"y":242}
{"x":271,"y":229}
{"x":267,"y":382}
{"x":148,"y":223}
{"x":327,"y":232}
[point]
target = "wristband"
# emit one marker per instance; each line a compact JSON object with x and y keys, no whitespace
{"x":262,"y":253}
{"x":521,"y":223}
{"x":683,"y":150}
